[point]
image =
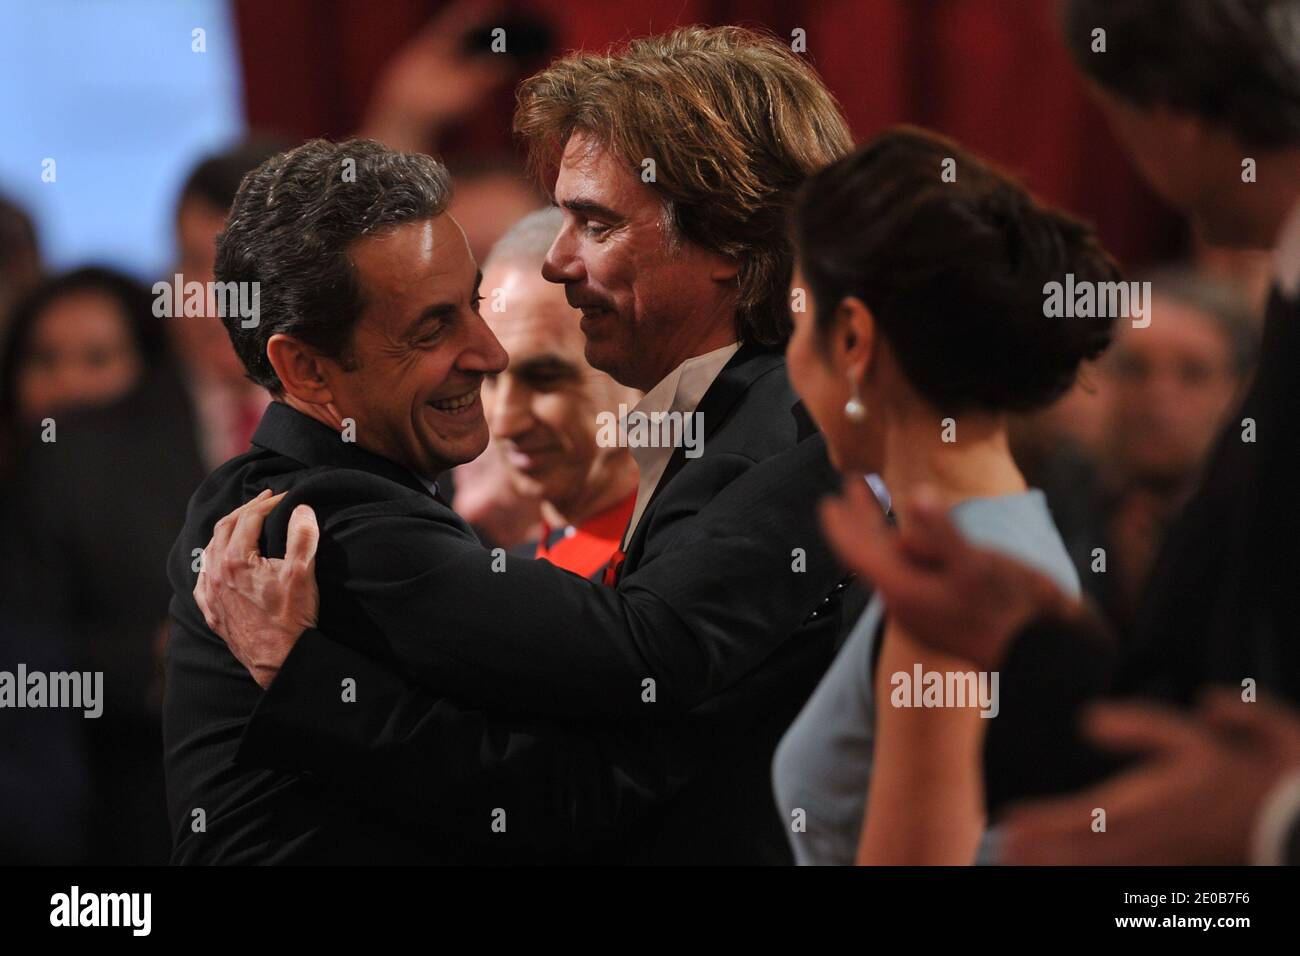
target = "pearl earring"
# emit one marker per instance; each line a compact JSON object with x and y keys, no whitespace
{"x":854,"y":410}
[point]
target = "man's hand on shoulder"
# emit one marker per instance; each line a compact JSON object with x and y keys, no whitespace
{"x":259,"y":606}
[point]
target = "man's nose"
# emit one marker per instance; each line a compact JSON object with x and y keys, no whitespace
{"x":562,"y":263}
{"x":510,"y":409}
{"x":483,"y":354}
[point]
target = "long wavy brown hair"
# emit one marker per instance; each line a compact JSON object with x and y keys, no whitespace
{"x":734,"y":122}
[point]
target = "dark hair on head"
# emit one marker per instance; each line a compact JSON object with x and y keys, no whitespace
{"x":132,"y":298}
{"x":289,"y":231}
{"x":953,"y":272}
{"x":216,"y":178}
{"x":1232,"y":62}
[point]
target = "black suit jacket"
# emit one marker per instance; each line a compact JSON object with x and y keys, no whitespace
{"x":507,"y":714}
{"x":1222,"y":607}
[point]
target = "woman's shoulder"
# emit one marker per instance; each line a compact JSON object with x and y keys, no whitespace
{"x":1021,"y":526}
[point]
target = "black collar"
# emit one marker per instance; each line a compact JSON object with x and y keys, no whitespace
{"x":287,"y":431}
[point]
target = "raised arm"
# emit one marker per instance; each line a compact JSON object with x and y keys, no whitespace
{"x":925,"y":805}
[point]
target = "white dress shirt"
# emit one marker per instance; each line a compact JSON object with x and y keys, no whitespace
{"x":680,"y":391}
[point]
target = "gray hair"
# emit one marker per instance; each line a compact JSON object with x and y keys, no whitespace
{"x":528,"y":240}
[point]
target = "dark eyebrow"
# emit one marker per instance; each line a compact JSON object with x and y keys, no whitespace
{"x":443,"y":310}
{"x":543,"y":364}
{"x":588,"y":207}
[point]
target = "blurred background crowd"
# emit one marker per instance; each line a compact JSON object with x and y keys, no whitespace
{"x":151,"y":127}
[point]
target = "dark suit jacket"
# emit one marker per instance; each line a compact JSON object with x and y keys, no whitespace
{"x":1223,"y":604}
{"x":506,"y":714}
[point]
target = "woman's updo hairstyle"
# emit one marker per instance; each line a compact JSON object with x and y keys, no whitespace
{"x":953,"y":271}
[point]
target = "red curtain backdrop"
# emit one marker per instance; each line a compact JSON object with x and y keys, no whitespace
{"x":993,"y":74}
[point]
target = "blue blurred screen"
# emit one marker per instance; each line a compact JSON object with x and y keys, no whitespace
{"x":113,"y":93}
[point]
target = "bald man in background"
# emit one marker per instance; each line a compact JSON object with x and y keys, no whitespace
{"x":544,"y":411}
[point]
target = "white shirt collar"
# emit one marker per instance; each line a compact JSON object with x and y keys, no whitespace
{"x":682,"y":388}
{"x":1286,"y":257}
{"x":680,"y":391}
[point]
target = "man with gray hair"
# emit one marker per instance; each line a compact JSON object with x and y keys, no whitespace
{"x":544,"y":409}
{"x":1167,"y":388}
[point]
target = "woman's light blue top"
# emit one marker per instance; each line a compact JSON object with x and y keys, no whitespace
{"x":823,"y":764}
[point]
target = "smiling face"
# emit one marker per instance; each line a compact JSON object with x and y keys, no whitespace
{"x":419,"y":350}
{"x":648,"y":301}
{"x":543,"y":408}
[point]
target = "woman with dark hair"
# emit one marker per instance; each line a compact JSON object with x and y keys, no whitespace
{"x":80,"y":339}
{"x":924,"y":274}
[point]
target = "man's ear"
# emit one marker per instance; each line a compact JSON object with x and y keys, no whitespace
{"x":301,"y":369}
